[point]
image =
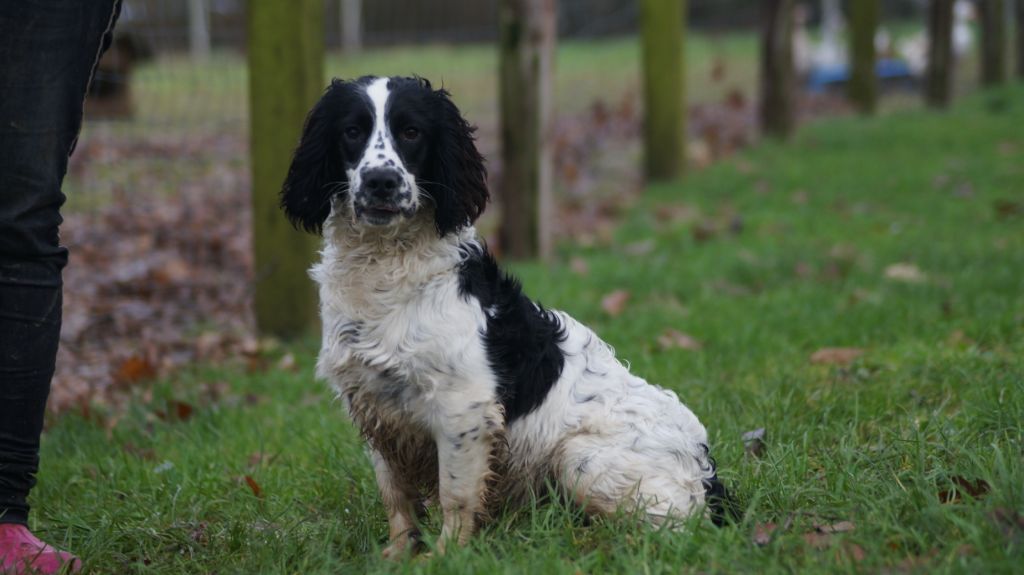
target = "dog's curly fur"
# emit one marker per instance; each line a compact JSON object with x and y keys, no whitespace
{"x":466,"y":392}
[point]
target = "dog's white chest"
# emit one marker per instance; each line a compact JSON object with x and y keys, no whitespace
{"x":415,"y":327}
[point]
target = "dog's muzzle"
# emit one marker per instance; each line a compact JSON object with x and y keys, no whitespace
{"x":381,"y":195}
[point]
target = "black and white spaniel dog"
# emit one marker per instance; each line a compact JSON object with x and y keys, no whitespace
{"x":467,"y":392}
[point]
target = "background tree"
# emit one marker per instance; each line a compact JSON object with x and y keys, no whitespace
{"x":778,"y":89}
{"x":993,"y":42}
{"x":526,"y":63}
{"x":863,"y":85}
{"x":286,"y":48}
{"x":662,"y":38}
{"x":1020,"y":39}
{"x":938,"y":84}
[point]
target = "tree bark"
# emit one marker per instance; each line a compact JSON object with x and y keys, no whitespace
{"x":526,"y":70}
{"x":1020,"y":39}
{"x":863,"y":86}
{"x":778,"y":90}
{"x":663,"y":31}
{"x":938,"y":86}
{"x":993,"y":42}
{"x":286,"y":76}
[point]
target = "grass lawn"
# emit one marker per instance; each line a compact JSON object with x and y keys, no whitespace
{"x":902,"y":236}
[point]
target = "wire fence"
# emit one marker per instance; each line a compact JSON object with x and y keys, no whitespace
{"x":161,"y":114}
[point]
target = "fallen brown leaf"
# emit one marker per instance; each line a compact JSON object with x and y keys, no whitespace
{"x":1006,"y":209}
{"x":176,"y":411}
{"x":704,"y":231}
{"x":614,"y":303}
{"x":133,"y":370}
{"x":255,"y":487}
{"x":140,"y":452}
{"x":840,"y":527}
{"x":675,"y":339}
{"x":836,"y":355}
{"x":905,"y":272}
{"x":1009,"y":521}
{"x":817,"y":540}
{"x":763,"y":533}
{"x":579,"y":266}
{"x":854,"y":552}
{"x":961,"y":486}
{"x":198,"y":534}
{"x":182,"y":410}
{"x":675,"y":213}
{"x":287,"y":362}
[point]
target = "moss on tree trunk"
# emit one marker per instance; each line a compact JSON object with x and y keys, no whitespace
{"x":777,"y":111}
{"x":526,"y":59}
{"x":286,"y":48}
{"x":863,"y":86}
{"x":663,"y":32}
{"x":938,"y":84}
{"x":993,"y":42}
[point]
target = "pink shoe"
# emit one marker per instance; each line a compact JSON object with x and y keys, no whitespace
{"x":21,"y":553}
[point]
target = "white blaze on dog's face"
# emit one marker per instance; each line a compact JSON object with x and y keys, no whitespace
{"x":377,"y":151}
{"x":381,"y":187}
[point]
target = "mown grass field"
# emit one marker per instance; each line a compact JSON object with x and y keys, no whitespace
{"x":902,"y":236}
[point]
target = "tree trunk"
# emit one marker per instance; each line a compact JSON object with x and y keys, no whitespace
{"x":993,"y":42}
{"x":863,"y":85}
{"x":526,"y":63}
{"x":663,"y":31}
{"x":351,"y":26}
{"x":198,"y":29}
{"x":1020,"y":39}
{"x":778,"y":90}
{"x":938,"y":86}
{"x":286,"y":76}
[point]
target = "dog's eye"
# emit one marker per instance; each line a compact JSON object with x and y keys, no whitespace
{"x":410,"y":133}
{"x":353,"y":133}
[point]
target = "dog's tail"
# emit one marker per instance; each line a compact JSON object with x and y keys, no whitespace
{"x":722,"y":505}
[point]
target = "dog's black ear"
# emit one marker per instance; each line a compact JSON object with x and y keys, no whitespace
{"x":317,"y":172}
{"x":458,"y":182}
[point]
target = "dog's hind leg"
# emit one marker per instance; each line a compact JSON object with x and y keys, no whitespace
{"x":607,"y":479}
{"x":398,"y":500}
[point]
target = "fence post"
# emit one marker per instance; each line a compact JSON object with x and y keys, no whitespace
{"x":286,"y":50}
{"x":777,"y":111}
{"x":527,"y":30}
{"x":863,"y":86}
{"x":993,"y":42}
{"x":198,"y":29}
{"x":939,"y":76}
{"x":351,"y":25}
{"x":662,"y":30}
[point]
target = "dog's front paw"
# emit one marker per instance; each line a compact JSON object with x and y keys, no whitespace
{"x":404,"y":545}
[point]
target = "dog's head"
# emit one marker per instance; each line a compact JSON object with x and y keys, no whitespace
{"x":383,"y":151}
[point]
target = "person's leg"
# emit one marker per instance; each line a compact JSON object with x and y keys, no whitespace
{"x":48,"y":51}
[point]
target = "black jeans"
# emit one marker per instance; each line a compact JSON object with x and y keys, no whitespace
{"x":48,"y":52}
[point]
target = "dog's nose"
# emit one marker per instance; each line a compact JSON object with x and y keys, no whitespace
{"x":381,"y":183}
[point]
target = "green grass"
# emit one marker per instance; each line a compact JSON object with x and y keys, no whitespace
{"x":938,"y":394}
